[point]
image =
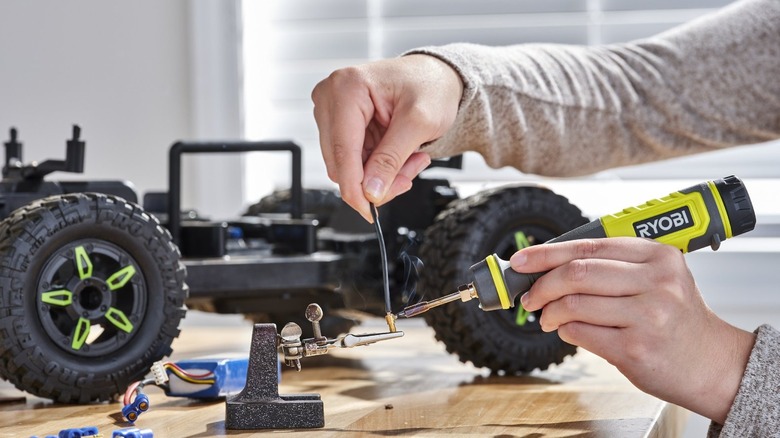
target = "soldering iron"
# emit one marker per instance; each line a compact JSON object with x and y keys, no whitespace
{"x":702,"y":215}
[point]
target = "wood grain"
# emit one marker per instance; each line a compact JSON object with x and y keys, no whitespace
{"x":408,"y":386}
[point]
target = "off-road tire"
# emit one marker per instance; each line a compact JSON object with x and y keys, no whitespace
{"x":319,"y":203}
{"x":466,"y":232}
{"x":38,"y":242}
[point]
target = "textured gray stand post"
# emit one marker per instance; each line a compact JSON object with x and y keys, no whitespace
{"x":259,"y":405}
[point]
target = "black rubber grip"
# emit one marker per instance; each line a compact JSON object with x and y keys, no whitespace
{"x":739,"y":209}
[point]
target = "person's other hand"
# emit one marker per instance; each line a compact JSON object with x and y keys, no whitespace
{"x":634,"y":302}
{"x":373,"y":118}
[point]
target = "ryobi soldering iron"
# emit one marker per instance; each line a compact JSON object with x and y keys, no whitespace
{"x":702,"y":215}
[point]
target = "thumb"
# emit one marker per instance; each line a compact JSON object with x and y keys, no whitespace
{"x":403,"y":137}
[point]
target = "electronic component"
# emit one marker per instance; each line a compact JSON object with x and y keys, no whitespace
{"x":77,"y":432}
{"x":158,"y":373}
{"x":206,"y":378}
{"x":136,"y":408}
{"x":132,"y":432}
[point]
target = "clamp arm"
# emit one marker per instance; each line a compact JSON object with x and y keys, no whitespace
{"x":293,"y":348}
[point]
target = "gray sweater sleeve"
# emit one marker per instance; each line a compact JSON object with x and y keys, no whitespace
{"x":561,"y":110}
{"x":570,"y":110}
{"x":756,"y":408}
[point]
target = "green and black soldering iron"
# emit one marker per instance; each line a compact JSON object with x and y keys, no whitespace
{"x":702,"y":215}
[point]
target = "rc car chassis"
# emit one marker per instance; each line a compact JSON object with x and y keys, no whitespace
{"x":93,"y":286}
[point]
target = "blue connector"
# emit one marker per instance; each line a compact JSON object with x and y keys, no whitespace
{"x":136,"y":408}
{"x":81,"y":432}
{"x":132,"y":432}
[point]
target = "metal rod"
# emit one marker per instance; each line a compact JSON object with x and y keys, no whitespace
{"x":424,"y":306}
{"x":465,"y":293}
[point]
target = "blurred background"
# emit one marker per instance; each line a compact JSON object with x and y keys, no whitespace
{"x":137,"y":76}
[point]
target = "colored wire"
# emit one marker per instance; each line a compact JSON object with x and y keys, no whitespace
{"x":137,"y":388}
{"x":383,"y":255}
{"x":207,"y":374}
{"x":128,"y":393}
{"x":198,"y":379}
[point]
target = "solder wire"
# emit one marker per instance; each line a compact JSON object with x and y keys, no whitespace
{"x":383,"y":255}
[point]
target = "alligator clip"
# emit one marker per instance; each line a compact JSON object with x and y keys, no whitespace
{"x":293,"y":348}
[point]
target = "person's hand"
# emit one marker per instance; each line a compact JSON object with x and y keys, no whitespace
{"x":373,"y":118}
{"x":634,"y":302}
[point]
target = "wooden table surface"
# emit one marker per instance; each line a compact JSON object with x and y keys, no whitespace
{"x":408,"y":386}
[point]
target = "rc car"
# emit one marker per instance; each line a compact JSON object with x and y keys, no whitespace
{"x":94,"y":283}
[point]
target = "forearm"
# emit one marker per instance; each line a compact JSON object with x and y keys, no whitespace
{"x":756,"y":408}
{"x":570,"y":110}
{"x":715,"y":375}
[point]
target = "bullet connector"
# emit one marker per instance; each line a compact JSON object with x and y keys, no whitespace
{"x":390,"y":318}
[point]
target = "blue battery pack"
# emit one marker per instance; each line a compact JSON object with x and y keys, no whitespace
{"x":228,"y":377}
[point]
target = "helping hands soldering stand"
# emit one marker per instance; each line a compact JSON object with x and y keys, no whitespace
{"x":259,"y":405}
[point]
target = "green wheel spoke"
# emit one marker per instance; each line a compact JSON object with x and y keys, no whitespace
{"x":62,"y":297}
{"x":80,"y":333}
{"x":522,"y":316}
{"x":521,"y":241}
{"x":119,"y":319}
{"x":83,"y":264}
{"x":120,"y":277}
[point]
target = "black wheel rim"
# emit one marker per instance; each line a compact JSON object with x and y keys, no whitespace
{"x":91,"y":297}
{"x":514,"y":238}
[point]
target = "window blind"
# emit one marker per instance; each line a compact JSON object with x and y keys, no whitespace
{"x":291,"y":45}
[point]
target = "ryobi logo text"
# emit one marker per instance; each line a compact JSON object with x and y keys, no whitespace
{"x":663,"y":224}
